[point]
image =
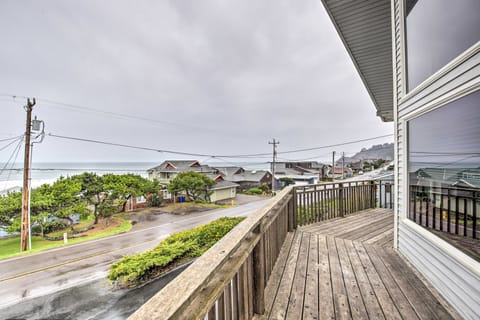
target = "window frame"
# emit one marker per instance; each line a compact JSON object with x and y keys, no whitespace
{"x":408,"y":92}
{"x":429,"y":107}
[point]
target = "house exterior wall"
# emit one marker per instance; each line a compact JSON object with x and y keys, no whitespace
{"x":454,"y":274}
{"x":162,"y":177}
{"x":223,"y":194}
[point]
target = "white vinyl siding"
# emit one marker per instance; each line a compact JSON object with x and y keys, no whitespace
{"x":457,"y":282}
{"x":455,"y":275}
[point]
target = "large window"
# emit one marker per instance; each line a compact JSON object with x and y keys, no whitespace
{"x":437,"y":32}
{"x":444,"y":170}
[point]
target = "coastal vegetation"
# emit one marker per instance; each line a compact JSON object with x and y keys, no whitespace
{"x":75,"y":205}
{"x":173,"y":251}
{"x":194,"y":184}
{"x":79,"y":195}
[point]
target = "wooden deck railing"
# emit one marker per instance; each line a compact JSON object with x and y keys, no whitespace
{"x":229,"y":280}
{"x":331,"y":200}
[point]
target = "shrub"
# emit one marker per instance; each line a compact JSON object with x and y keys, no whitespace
{"x":287,"y":181}
{"x":264,"y":188}
{"x":176,"y":249}
{"x":155,"y":200}
{"x":56,"y":225}
{"x":254,"y":191}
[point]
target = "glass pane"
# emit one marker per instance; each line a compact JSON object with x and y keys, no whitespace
{"x":437,"y":32}
{"x":444,"y":169}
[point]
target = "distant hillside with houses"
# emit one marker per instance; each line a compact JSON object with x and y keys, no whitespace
{"x":375,"y":152}
{"x":379,"y":151}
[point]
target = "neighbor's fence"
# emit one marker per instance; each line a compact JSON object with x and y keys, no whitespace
{"x":446,"y":209}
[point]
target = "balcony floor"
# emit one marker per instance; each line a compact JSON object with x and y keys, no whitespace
{"x":347,"y":269}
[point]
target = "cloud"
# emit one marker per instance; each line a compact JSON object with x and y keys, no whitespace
{"x":231,"y":74}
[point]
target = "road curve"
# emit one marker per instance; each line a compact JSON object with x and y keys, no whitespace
{"x":56,"y":269}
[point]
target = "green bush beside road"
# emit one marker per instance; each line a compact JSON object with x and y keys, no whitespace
{"x":172,"y":251}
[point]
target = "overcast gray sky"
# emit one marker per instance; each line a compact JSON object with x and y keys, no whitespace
{"x":213,"y":77}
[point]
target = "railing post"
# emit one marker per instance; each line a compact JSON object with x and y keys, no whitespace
{"x":291,"y":213}
{"x":259,"y":278}
{"x":294,"y":209}
{"x":373,"y":194}
{"x":340,"y":200}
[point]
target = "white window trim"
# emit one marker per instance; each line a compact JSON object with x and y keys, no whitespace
{"x":467,"y":88}
{"x":455,"y":253}
{"x":406,"y":195}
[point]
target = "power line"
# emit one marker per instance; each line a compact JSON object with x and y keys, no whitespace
{"x":201,"y":154}
{"x":9,"y":144}
{"x":13,"y":138}
{"x":324,"y":155}
{"x":147,"y":148}
{"x":118,"y":115}
{"x":336,"y":145}
{"x":15,"y":151}
{"x":10,"y":158}
{"x":434,"y":154}
{"x":130,"y":117}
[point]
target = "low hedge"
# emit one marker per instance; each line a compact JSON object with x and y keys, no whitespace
{"x":257,"y":191}
{"x":176,"y":249}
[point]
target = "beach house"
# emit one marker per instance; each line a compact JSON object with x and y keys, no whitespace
{"x":420,"y":62}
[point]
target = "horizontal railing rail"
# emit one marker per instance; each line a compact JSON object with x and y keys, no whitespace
{"x":332,"y":200}
{"x":446,"y":209}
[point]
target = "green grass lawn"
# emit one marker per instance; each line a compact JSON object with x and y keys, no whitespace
{"x":11,"y":247}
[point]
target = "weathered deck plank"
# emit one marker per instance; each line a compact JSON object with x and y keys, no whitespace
{"x":325,"y":305}
{"x":401,"y":302}
{"x":280,"y":303}
{"x":277,"y":272}
{"x":357,"y":306}
{"x":295,"y":303}
{"x":310,"y":305}
{"x":371,"y":303}
{"x":347,"y":269}
{"x":338,"y":288}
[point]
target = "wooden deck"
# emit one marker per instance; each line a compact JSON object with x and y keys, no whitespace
{"x":346,"y":268}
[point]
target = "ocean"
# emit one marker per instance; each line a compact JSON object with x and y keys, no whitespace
{"x":48,"y":172}
{"x":11,"y":179}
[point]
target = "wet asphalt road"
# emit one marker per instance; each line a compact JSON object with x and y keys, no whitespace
{"x":92,"y":300}
{"x":41,"y":274}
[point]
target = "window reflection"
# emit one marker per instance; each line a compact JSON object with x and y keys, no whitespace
{"x":444,"y":168}
{"x":437,"y":32}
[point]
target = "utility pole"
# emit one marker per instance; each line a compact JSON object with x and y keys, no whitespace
{"x":333,"y":166}
{"x":343,"y":165}
{"x":274,"y":143}
{"x":25,"y":228}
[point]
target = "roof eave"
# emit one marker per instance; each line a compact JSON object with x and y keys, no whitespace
{"x":384,"y":112}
